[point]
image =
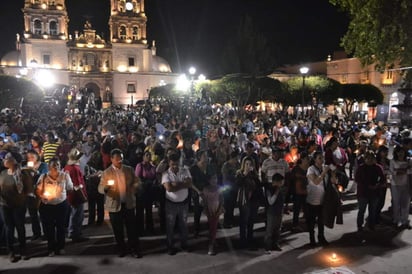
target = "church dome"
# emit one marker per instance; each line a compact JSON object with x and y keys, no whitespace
{"x":160,"y":65}
{"x":11,"y":59}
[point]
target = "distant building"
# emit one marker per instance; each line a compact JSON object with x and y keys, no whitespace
{"x":120,"y":70}
{"x":351,"y":71}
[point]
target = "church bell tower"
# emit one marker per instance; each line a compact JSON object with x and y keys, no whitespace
{"x":45,"y":34}
{"x":45,"y":19}
{"x":127,"y":22}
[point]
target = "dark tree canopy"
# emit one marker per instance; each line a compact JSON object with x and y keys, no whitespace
{"x":380,"y":31}
{"x":352,"y":93}
{"x":13,"y":90}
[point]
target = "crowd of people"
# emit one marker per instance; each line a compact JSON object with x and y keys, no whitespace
{"x":192,"y":158}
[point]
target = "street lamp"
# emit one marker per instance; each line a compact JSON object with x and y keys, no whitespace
{"x":303,"y":71}
{"x":192,"y":71}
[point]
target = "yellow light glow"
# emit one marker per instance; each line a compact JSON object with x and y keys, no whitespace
{"x":334,"y":258}
{"x":122,"y":68}
{"x":133,"y":69}
{"x":110,"y":182}
{"x":30,"y":164}
{"x":44,"y":6}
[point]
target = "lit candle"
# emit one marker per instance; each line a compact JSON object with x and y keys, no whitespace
{"x":110,"y":182}
{"x":334,"y":257}
{"x":30,"y":164}
{"x":46,"y":193}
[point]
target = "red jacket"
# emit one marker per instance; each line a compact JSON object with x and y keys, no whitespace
{"x":78,"y":181}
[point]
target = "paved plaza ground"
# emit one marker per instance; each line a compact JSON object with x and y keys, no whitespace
{"x":385,"y":250}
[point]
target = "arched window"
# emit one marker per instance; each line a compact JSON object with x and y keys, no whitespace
{"x":53,"y":28}
{"x":122,"y":33}
{"x":135,"y":33}
{"x":37,"y":28}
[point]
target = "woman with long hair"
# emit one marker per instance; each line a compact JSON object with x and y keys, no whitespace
{"x":383,"y":161}
{"x":314,"y":200}
{"x":401,"y":199}
{"x":249,"y":193}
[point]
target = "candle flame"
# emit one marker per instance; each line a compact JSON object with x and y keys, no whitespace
{"x":46,"y":193}
{"x":110,"y":182}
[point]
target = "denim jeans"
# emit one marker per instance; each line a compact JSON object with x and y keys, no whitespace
{"x":372,"y":204}
{"x":96,"y":204}
{"x":247,"y":217}
{"x":400,"y":204}
{"x":144,"y":208}
{"x":314,"y":216}
{"x":176,"y":212}
{"x":14,"y":218}
{"x":273,"y":224}
{"x":34,"y":215}
{"x":299,"y":203}
{"x":76,"y":221}
{"x":54,"y":219}
{"x":229,"y":204}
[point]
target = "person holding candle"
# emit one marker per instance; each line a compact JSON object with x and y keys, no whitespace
{"x":15,"y":185}
{"x":314,"y":199}
{"x":52,"y":189}
{"x":35,"y":168}
{"x":119,"y":183}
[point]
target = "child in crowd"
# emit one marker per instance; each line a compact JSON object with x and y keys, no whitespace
{"x":213,"y":208}
{"x":274,"y":206}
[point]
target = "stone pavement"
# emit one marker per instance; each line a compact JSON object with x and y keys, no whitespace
{"x":385,"y":250}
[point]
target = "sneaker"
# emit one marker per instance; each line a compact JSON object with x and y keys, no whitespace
{"x":268,"y":252}
{"x":13,"y":258}
{"x":36,"y":238}
{"x":136,"y":254}
{"x":211,"y":253}
{"x":171,"y":251}
{"x":323,"y":242}
{"x":122,"y":254}
{"x":61,"y":252}
{"x":296,"y":229}
{"x":79,"y":239}
{"x":276,"y":247}
{"x":51,"y":254}
{"x":185,"y":248}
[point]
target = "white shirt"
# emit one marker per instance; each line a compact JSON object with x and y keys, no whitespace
{"x":315,"y":192}
{"x":169,"y":177}
{"x":270,"y":167}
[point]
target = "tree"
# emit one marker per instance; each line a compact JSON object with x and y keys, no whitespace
{"x":380,"y":31}
{"x":14,"y":91}
{"x":352,"y":93}
{"x":323,"y":89}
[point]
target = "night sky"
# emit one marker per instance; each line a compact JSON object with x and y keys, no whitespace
{"x":194,"y":32}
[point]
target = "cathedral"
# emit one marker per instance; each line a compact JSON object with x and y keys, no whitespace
{"x":120,"y":71}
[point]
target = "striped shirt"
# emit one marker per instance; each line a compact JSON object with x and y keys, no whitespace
{"x":49,"y":151}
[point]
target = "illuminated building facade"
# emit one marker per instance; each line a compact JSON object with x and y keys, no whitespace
{"x":122,"y":69}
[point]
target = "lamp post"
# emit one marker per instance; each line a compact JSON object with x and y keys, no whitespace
{"x":303,"y":72}
{"x":192,"y":71}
